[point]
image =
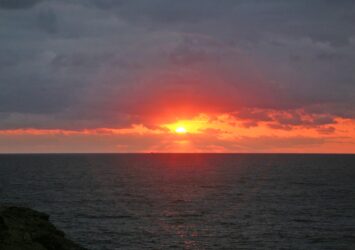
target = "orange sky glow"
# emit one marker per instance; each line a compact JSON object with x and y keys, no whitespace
{"x":218,"y":133}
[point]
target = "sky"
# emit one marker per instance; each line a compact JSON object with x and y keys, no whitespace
{"x":177,"y":76}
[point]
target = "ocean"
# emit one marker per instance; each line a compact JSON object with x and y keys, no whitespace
{"x":189,"y":201}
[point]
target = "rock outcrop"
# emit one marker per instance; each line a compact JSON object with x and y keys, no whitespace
{"x":25,"y":229}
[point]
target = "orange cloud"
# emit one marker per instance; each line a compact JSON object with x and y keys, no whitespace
{"x":204,"y":133}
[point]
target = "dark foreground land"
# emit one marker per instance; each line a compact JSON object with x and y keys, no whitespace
{"x":25,"y":229}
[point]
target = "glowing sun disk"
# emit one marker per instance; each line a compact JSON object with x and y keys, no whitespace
{"x":180,"y":130}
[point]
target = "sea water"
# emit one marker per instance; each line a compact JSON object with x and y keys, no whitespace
{"x":189,"y":201}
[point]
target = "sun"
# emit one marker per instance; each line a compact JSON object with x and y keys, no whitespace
{"x":192,"y":126}
{"x":181,"y":130}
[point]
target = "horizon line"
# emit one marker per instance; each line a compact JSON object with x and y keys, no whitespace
{"x":157,"y":153}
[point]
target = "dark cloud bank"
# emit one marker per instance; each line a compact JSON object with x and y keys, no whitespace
{"x":92,"y":63}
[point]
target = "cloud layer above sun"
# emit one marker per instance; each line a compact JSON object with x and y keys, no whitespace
{"x":117,"y":76}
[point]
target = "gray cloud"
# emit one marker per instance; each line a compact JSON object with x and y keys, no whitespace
{"x":18,"y":4}
{"x":88,"y":63}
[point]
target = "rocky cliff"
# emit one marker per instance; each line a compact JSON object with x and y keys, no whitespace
{"x":25,"y":229}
